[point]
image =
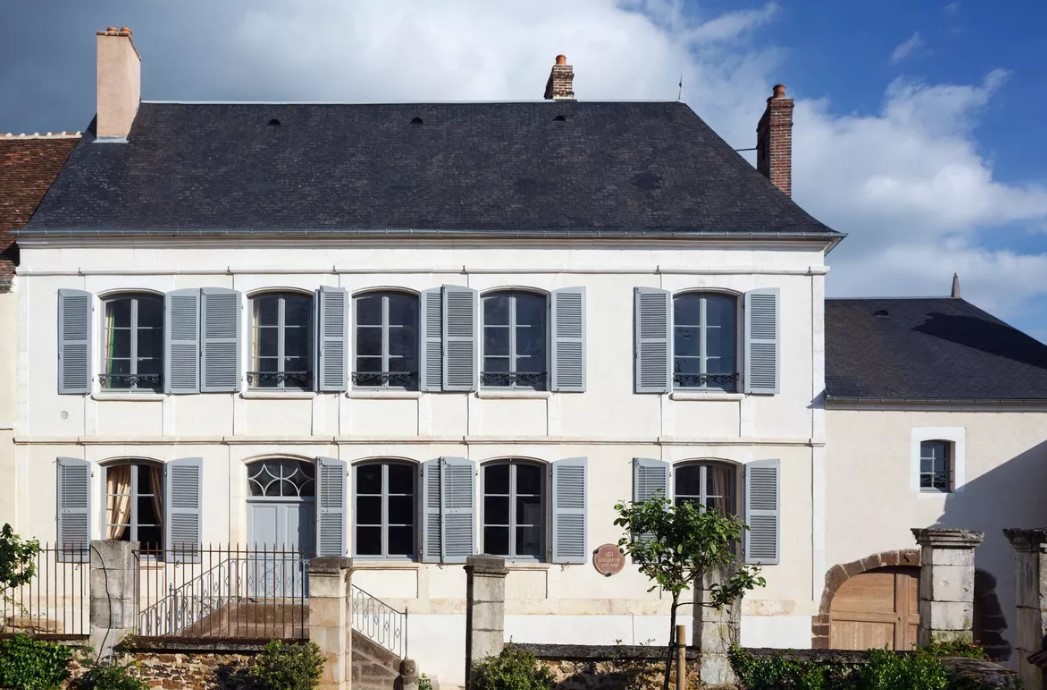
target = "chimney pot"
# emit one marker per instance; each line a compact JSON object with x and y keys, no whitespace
{"x":125,"y":31}
{"x":560,"y":86}
{"x":774,"y":140}
{"x":119,"y":83}
{"x":561,"y":59}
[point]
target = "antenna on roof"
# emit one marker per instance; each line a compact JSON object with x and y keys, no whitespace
{"x":679,"y":95}
{"x":955,"y":286}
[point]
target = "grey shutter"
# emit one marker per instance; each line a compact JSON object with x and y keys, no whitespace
{"x":569,"y":528}
{"x":74,"y":342}
{"x":653,"y":355}
{"x":74,"y":510}
{"x":762,"y":350}
{"x":332,"y":339}
{"x":183,"y":498}
{"x":650,"y":478}
{"x":220,"y":340}
{"x":568,"y":339}
{"x":330,"y":507}
{"x":458,"y":500}
{"x":460,"y":329}
{"x":182,"y":341}
{"x":430,"y":359}
{"x":431,"y":534}
{"x":762,"y":511}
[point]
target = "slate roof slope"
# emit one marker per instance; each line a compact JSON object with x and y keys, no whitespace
{"x":491,"y":167}
{"x":928,"y":349}
{"x":28,"y":166}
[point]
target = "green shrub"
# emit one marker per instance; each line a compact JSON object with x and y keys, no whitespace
{"x":780,"y":672}
{"x":30,"y":664}
{"x":880,"y":670}
{"x":955,"y":648}
{"x":425,"y":682}
{"x":887,"y":670}
{"x":282,"y":666}
{"x":513,"y":669}
{"x":110,"y":676}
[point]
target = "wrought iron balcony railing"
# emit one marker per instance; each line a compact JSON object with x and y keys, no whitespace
{"x":725,"y":382}
{"x":514,"y":379}
{"x":130,"y":381}
{"x":261,"y":378}
{"x":386,"y":379}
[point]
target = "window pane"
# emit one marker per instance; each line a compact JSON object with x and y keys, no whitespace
{"x":368,"y":510}
{"x":686,"y":341}
{"x":529,"y":542}
{"x":369,"y":310}
{"x":266,"y":310}
{"x":496,"y":341}
{"x":369,"y":479}
{"x":719,"y":310}
{"x":298,"y":310}
{"x":403,"y":310}
{"x":297,"y":364}
{"x":403,"y":341}
{"x":688,"y":480}
{"x":369,"y":341}
{"x":147,"y":512}
{"x":296,"y":342}
{"x":687,"y":365}
{"x":529,"y":479}
{"x":529,"y":510}
{"x":687,"y":310}
{"x":530,"y":310}
{"x":401,"y":541}
{"x":496,"y":479}
{"x":496,"y":365}
{"x":151,"y":343}
{"x":119,"y":343}
{"x":496,"y":310}
{"x":401,"y":479}
{"x":530,"y":340}
{"x":267,"y":342}
{"x":496,"y":510}
{"x":401,"y":510}
{"x":118,"y":312}
{"x":150,"y":537}
{"x":719,"y":486}
{"x":369,"y":541}
{"x":719,"y":365}
{"x":496,"y":541}
{"x":720,"y":341}
{"x":150,"y":312}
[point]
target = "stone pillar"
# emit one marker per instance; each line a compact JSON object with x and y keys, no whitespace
{"x":329,"y":622}
{"x":714,"y":631}
{"x":112,"y":596}
{"x":408,"y":675}
{"x":1030,"y":546}
{"x":484,"y":609}
{"x":946,"y":583}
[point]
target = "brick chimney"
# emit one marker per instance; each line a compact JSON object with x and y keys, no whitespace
{"x":774,"y":141}
{"x":119,"y":83}
{"x":560,"y":86}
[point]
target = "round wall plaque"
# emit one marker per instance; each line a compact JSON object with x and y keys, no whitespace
{"x":608,"y":560}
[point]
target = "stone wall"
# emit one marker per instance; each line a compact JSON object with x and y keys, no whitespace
{"x":182,"y":665}
{"x":608,"y":667}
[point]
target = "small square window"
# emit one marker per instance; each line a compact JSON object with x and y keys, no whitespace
{"x":936,"y":466}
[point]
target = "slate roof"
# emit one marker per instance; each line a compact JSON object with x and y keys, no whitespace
{"x":928,"y":349}
{"x":488,"y":167}
{"x":28,"y":166}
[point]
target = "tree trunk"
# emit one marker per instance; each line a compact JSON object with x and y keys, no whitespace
{"x":672,"y":641}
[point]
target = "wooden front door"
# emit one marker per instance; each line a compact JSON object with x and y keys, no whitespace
{"x":877,"y":609}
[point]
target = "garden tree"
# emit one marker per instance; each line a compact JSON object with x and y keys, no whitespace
{"x":17,"y":559}
{"x":676,"y":545}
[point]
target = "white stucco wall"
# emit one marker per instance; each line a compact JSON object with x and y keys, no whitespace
{"x":608,"y":423}
{"x":873,"y":504}
{"x":8,"y":407}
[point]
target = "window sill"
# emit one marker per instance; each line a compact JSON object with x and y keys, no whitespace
{"x":390,"y":564}
{"x":382,"y":394}
{"x":528,"y":565}
{"x":513,"y":394}
{"x":935,"y":494}
{"x":278,"y":395}
{"x":711,"y":395}
{"x":132,"y":396}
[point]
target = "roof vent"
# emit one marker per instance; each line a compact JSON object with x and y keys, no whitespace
{"x":559,"y":118}
{"x":881,"y":314}
{"x":417,"y":121}
{"x":274,"y":122}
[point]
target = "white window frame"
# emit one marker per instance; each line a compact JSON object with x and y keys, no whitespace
{"x":957,"y":437}
{"x":384,"y":464}
{"x":513,"y":293}
{"x":385,"y":374}
{"x":252,"y":326}
{"x":512,"y":463}
{"x":133,"y":297}
{"x":132,"y":525}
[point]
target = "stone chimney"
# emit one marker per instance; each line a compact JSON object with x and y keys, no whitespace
{"x":560,"y":86}
{"x":774,"y":141}
{"x":119,"y":83}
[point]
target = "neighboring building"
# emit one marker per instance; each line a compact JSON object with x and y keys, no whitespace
{"x":411,"y":332}
{"x":28,"y":165}
{"x":937,"y":415}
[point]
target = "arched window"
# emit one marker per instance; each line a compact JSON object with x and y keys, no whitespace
{"x":384,"y":515}
{"x":386,"y":340}
{"x":515,"y":341}
{"x":281,"y":341}
{"x":705,"y":341}
{"x":134,"y":503}
{"x":281,"y":478}
{"x":514,"y":509}
{"x":134,"y":342}
{"x":936,"y":466}
{"x":708,"y":484}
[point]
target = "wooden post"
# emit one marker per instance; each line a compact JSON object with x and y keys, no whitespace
{"x":681,"y":657}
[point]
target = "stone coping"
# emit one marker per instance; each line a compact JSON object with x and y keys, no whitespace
{"x":60,"y":638}
{"x":1027,"y":539}
{"x":941,"y":537}
{"x":194,"y":645}
{"x":595,"y":652}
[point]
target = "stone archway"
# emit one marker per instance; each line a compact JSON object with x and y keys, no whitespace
{"x":839,"y":574}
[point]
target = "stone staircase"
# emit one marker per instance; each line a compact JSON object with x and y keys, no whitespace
{"x":374,"y":667}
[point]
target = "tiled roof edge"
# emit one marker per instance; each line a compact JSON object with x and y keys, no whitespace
{"x":37,"y":135}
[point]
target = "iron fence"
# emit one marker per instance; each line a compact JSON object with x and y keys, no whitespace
{"x":55,"y":601}
{"x":222,"y":592}
{"x":380,"y":622}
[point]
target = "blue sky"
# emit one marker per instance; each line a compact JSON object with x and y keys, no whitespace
{"x":917,"y":122}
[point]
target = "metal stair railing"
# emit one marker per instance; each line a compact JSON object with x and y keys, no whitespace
{"x":379,"y":622}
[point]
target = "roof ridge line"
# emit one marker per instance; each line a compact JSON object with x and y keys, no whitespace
{"x":37,"y":135}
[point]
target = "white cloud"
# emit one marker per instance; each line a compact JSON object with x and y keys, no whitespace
{"x":907,"y":47}
{"x":952,"y":8}
{"x":909,"y":181}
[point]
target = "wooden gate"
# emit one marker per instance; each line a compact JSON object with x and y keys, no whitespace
{"x":878,"y":608}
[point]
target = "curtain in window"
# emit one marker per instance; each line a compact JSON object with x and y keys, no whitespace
{"x":118,"y":490}
{"x":110,"y":366}
{"x":156,"y":485}
{"x":720,"y":488}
